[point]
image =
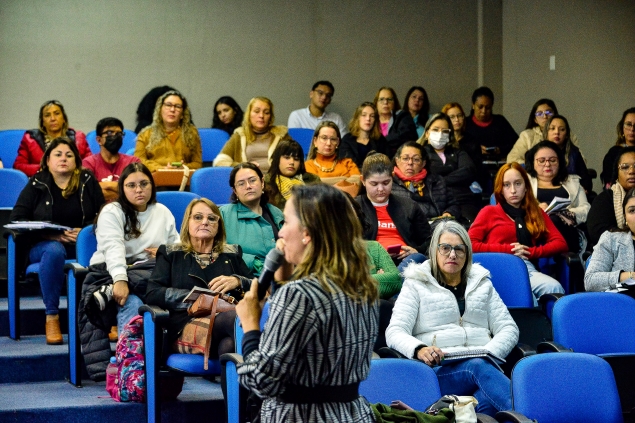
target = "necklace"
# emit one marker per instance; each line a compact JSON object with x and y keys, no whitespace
{"x":325,"y":169}
{"x":203,"y":259}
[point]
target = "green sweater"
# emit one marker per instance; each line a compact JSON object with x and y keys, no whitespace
{"x":390,"y":279}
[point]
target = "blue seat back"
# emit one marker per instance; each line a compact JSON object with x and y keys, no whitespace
{"x":595,"y":322}
{"x":566,"y":387}
{"x":212,"y":183}
{"x":587,"y":261}
{"x":129,"y":141}
{"x":410,"y":381}
{"x":12,"y":182}
{"x":9,"y":143}
{"x":177,"y":202}
{"x":86,"y":245}
{"x":212,"y":142}
{"x":509,"y":277}
{"x":238,"y":329}
{"x":303,"y":136}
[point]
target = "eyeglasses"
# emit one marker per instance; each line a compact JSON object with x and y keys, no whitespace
{"x":251,"y":181}
{"x":111,"y":133}
{"x":630,"y":126}
{"x":142,"y":185}
{"x":624,"y":167}
{"x":458,"y":116}
{"x":414,"y":159}
{"x":545,"y":113}
{"x":325,"y":139}
{"x":443,"y":131}
{"x":460,"y":250}
{"x":322,"y":93}
{"x":543,"y":161}
{"x":173,"y":106}
{"x":385,"y":100}
{"x":211,"y":218}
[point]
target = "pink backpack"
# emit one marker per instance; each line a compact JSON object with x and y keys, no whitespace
{"x":129,"y":382}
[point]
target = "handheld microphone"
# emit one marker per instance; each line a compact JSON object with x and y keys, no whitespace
{"x":273,"y":260}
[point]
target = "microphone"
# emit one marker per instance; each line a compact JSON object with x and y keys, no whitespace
{"x":273,"y":260}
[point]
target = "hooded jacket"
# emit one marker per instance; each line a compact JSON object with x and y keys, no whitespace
{"x":426,"y":313}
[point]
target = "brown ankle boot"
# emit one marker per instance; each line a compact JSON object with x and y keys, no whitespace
{"x":113,"y":336}
{"x":53,"y":332}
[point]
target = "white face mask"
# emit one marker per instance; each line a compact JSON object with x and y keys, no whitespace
{"x":438,"y":140}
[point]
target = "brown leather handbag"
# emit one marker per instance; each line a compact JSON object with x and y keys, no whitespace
{"x":206,"y":305}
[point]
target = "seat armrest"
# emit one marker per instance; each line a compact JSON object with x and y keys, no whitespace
{"x":233,"y":357}
{"x":386,"y":352}
{"x":512,"y":416}
{"x":551,"y":346}
{"x":484,"y":418}
{"x":159,"y":315}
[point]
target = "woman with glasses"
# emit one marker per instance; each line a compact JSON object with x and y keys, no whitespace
{"x":395,"y":124}
{"x":412,"y":179}
{"x":256,"y":139}
{"x":53,"y":123}
{"x":467,"y":143}
{"x":201,"y":259}
{"x":625,"y":138}
{"x":448,"y":304}
{"x":324,"y":162}
{"x":517,"y":225}
{"x":64,"y":193}
{"x":172,"y":139}
{"x":364,"y":135}
{"x":492,"y":132}
{"x":549,"y":178}
{"x":418,"y":105}
{"x":250,"y":221}
{"x":606,"y":211}
{"x":397,"y":223}
{"x":451,"y":163}
{"x":129,"y":230}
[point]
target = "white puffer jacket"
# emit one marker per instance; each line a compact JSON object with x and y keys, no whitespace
{"x":426,"y":313}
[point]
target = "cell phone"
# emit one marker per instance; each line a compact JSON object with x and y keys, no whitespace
{"x":490,"y":149}
{"x":394,"y":249}
{"x":176,"y":164}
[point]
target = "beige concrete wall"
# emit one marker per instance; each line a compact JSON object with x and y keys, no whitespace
{"x":594,"y":79}
{"x":100,"y":57}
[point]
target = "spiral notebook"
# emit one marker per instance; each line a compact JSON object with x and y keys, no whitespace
{"x":467,"y":354}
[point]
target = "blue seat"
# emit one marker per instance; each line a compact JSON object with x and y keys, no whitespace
{"x":177,"y":202}
{"x":212,"y":142}
{"x":303,"y":136}
{"x":85,"y":247}
{"x":12,"y":182}
{"x":9,"y":143}
{"x":564,"y":388}
{"x":410,"y":381}
{"x":509,"y":277}
{"x":129,"y":141}
{"x":603,"y":324}
{"x":212,"y":183}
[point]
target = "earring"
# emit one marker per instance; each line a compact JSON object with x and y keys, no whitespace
{"x":304,"y":241}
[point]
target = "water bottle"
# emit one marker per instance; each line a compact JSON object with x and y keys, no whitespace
{"x":111,"y":376}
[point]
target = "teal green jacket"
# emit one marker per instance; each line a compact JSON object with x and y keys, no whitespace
{"x":251,"y":231}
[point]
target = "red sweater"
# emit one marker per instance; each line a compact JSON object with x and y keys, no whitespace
{"x":493,"y":232}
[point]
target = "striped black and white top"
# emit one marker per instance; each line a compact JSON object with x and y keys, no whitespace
{"x":312,"y":338}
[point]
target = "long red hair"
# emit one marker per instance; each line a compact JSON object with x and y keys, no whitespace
{"x":534,"y":214}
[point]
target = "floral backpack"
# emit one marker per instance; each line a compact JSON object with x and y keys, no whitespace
{"x":129,"y":382}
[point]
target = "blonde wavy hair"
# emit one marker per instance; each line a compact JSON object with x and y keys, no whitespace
{"x":250,"y":135}
{"x":219,"y":239}
{"x":157,"y":128}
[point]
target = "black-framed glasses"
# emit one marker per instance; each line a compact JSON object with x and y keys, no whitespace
{"x":543,"y":160}
{"x":460,"y":249}
{"x":414,"y":159}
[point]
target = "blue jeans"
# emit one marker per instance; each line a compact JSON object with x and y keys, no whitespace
{"x":412,"y":258}
{"x":51,"y":256}
{"x":480,"y":378}
{"x":129,"y":310}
